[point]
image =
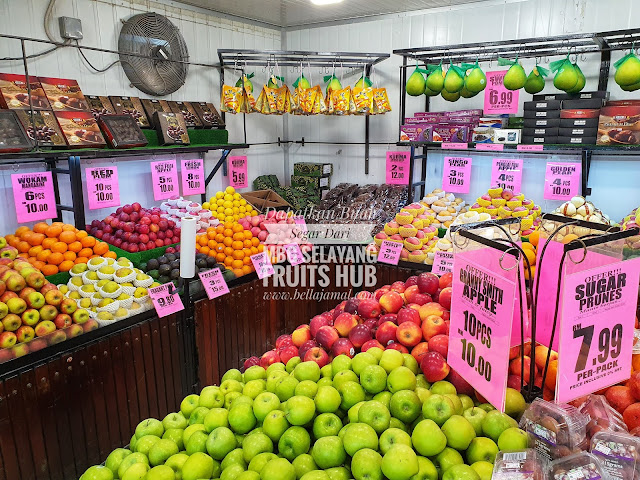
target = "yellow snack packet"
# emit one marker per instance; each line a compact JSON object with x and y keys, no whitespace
{"x":232,"y":99}
{"x":380,"y":101}
{"x":319,"y":105}
{"x":362,"y":99}
{"x":339,"y":101}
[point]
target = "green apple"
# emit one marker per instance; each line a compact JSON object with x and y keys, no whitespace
{"x":286,"y":387}
{"x":234,"y":457}
{"x":258,"y":443}
{"x":326,"y":425}
{"x":248,"y":475}
{"x":160,"y":472}
{"x":373,"y":378}
{"x":514,"y":403}
{"x":459,"y":432}
{"x":475,"y":416}
{"x":275,"y":424}
{"x":174,"y":420}
{"x":272,"y":379}
{"x":253,"y":388}
{"x":241,"y":418}
{"x":307,"y":388}
{"x":220,"y":442}
{"x":161,"y":451}
{"x":401,"y":378}
{"x":229,"y":398}
{"x":129,"y":460}
{"x":327,"y":400}
{"x":150,"y":426}
{"x":395,"y":423}
{"x":231,"y":374}
{"x":217,"y":417}
{"x":303,"y":464}
{"x":263,"y":404}
{"x":383,"y":397}
{"x":115,"y":458}
{"x":457,"y":403}
{"x":443,"y":387}
{"x":300,"y":410}
{"x":411,"y":363}
{"x":325,"y":382}
{"x":376,"y":352}
{"x":242,"y":400}
{"x":144,"y":444}
{"x":361,"y":361}
{"x":315,"y":475}
{"x":438,"y":408}
{"x":198,"y":415}
{"x":212,"y":397}
{"x":405,"y":405}
{"x":275,"y":366}
{"x":326,"y":371}
{"x":513,"y":439}
{"x":240,"y":439}
{"x":198,"y":466}
{"x":344,"y":376}
{"x":295,"y":441}
{"x":254,"y":373}
{"x":390,"y":360}
{"x":176,"y":462}
{"x":400,"y":462}
{"x":338,"y":473}
{"x":376,"y":415}
{"x":428,"y":439}
{"x":175,"y":435}
{"x":352,"y":393}
{"x":422,"y":393}
{"x":259,"y":461}
{"x":495,"y":423}
{"x":343,"y":430}
{"x":359,"y":436}
{"x":190,"y":430}
{"x":137,"y":471}
{"x":366,"y":464}
{"x":292,"y":364}
{"x":421,"y":381}
{"x":392,"y":437}
{"x":446,"y":459}
{"x":231,"y":472}
{"x":197,"y":443}
{"x":487,"y":407}
{"x":231,"y":386}
{"x":340,"y":363}
{"x":97,"y":472}
{"x":354,"y":411}
{"x":482,"y":449}
{"x":467,"y":402}
{"x":307,"y":371}
{"x":483,"y":469}
{"x":329,"y":452}
{"x":189,"y":404}
{"x":427,"y":470}
{"x":278,"y":469}
{"x":460,"y":472}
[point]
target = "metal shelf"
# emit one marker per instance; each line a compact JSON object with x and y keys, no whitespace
{"x":296,"y":58}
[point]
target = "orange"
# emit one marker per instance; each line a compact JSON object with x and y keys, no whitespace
{"x":260,"y":248}
{"x":238,"y":272}
{"x":228,"y":261}
{"x":246,"y":260}
{"x":533,"y":272}
{"x":227,"y":241}
{"x":53,"y":231}
{"x":36,"y":239}
{"x":237,"y":228}
{"x":205,"y":250}
{"x":254,"y":250}
{"x":86,"y":241}
{"x":43,"y":255}
{"x":110,"y":254}
{"x":247,"y":244}
{"x":238,"y":255}
{"x":26,"y":236}
{"x":56,"y":258}
{"x":211,"y":233}
{"x":32,"y":260}
{"x":531,"y":256}
{"x":247,"y":234}
{"x":34,"y":251}
{"x":219,"y":228}
{"x":246,"y":269}
{"x":38,"y":264}
{"x":101,"y":248}
{"x":59,"y":247}
{"x":75,"y":247}
{"x":69,"y":255}
{"x":220,"y":257}
{"x":238,"y":236}
{"x":65,"y":266}
{"x":40,"y":227}
{"x":228,"y":225}
{"x":10,"y":238}
{"x":203,"y":240}
{"x":237,"y":264}
{"x":85,"y":252}
{"x":48,"y":242}
{"x":534,"y":238}
{"x":219,"y":237}
{"x":552,"y":373}
{"x":68,"y":228}
{"x":255,"y":242}
{"x":81,"y":260}
{"x":569,"y":238}
{"x":228,"y":251}
{"x":210,"y":229}
{"x":49,"y":270}
{"x":82,"y":234}
{"x":23,"y":246}
{"x":20,"y":231}
{"x":228,"y":232}
{"x":212,"y":244}
{"x":67,"y":236}
{"x":220,"y":248}
{"x":236,"y":245}
{"x":24,"y":255}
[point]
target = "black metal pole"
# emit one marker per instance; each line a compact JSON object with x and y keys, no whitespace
{"x":77,"y":197}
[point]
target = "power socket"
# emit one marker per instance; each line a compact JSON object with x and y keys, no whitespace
{"x":70,"y":28}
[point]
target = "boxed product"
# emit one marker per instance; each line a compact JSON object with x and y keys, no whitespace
{"x":264,"y":199}
{"x":13,"y":137}
{"x":566,"y":96}
{"x":190,"y":117}
{"x":317,"y":183}
{"x":152,"y":106}
{"x":619,"y":125}
{"x":519,"y":465}
{"x":482,"y":135}
{"x":44,"y":129}
{"x":450,"y":133}
{"x":540,"y":122}
{"x":579,"y":122}
{"x":586,"y":103}
{"x":602,"y":416}
{"x":171,"y":128}
{"x":266,"y":182}
{"x":543,"y":105}
{"x":313,"y":169}
{"x":623,"y":103}
{"x":100,"y":106}
{"x":577,"y":131}
{"x":541,"y":132}
{"x":510,"y":136}
{"x":64,"y":94}
{"x":208,"y":114}
{"x":416,"y":133}
{"x":515,"y":122}
{"x":130,"y":106}
{"x":122,"y":131}
{"x":580,"y":113}
{"x":619,"y":453}
{"x":14,"y":93}
{"x":533,"y":139}
{"x":577,"y":140}
{"x":80,"y":129}
{"x":541,"y":114}
{"x":501,"y":121}
{"x":580,"y":466}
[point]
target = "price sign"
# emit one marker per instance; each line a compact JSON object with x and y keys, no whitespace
{"x":497,"y":99}
{"x":164,"y":175}
{"x":398,"y":168}
{"x":596,"y":331}
{"x":164,"y":302}
{"x":33,"y":196}
{"x":192,"y":173}
{"x":238,"y":172}
{"x":496,"y":147}
{"x":262,"y":264}
{"x":389,"y":252}
{"x":103,"y":188}
{"x":456,"y":174}
{"x":507,"y":173}
{"x":299,"y":220}
{"x":562,"y":181}
{"x":294,"y":254}
{"x":214,"y":283}
{"x":442,"y":263}
{"x":453,"y":146}
{"x":530,"y":148}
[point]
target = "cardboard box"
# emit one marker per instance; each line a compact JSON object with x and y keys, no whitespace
{"x":313,"y":169}
{"x":582,"y":104}
{"x":131,"y":106}
{"x":100,"y":106}
{"x":482,"y":135}
{"x":509,"y":136}
{"x":190,"y":116}
{"x":540,"y":132}
{"x":577,"y":140}
{"x":542,"y":105}
{"x":579,"y":122}
{"x":263,"y":199}
{"x":416,"y":133}
{"x":13,"y":137}
{"x":450,"y":133}
{"x":541,"y":122}
{"x":208,"y":114}
{"x":565,"y":96}
{"x":45,"y":128}
{"x":541,"y":114}
{"x":171,"y":128}
{"x":577,"y":132}
{"x":80,"y":129}
{"x":151,"y":106}
{"x":14,"y":93}
{"x":317,"y":183}
{"x":619,"y":125}
{"x":122,"y":131}
{"x":64,"y":94}
{"x":530,"y":140}
{"x":580,"y":113}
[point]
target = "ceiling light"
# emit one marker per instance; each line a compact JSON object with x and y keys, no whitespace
{"x":325,"y":2}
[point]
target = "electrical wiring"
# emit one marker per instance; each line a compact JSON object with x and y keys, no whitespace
{"x":97,"y":70}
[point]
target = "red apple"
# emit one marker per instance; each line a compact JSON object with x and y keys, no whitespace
{"x":633,"y":384}
{"x":410,"y":293}
{"x":370,"y":344}
{"x":445,"y":298}
{"x":445,"y":280}
{"x":439,"y":343}
{"x":409,"y":334}
{"x":397,"y":346}
{"x":407,"y":314}
{"x":514,"y":381}
{"x":269,"y":358}
{"x":344,"y":323}
{"x":398,"y":287}
{"x":381,"y":291}
{"x":287,"y":353}
{"x":54,"y":297}
{"x":319,"y":321}
{"x":434,"y":367}
{"x":326,"y":336}
{"x":283,"y":341}
{"x":372,"y":324}
{"x":386,"y":333}
{"x":462,"y":386}
{"x":7,"y":339}
{"x":306,"y":346}
{"x":369,"y":308}
{"x":25,"y":292}
{"x":251,"y":362}
{"x":301,"y":335}
{"x":342,"y":346}
{"x":360,"y":334}
{"x":428,"y":283}
{"x":412,"y":280}
{"x":352,"y":305}
{"x":62,"y":320}
{"x":419,"y":351}
{"x":318,"y":355}
{"x":74,"y":330}
{"x":433,"y":325}
{"x":391,"y":302}
{"x":388,"y":317}
{"x":431,"y":308}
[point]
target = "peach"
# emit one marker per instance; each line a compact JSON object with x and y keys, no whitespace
{"x":634,"y":385}
{"x":631,"y":416}
{"x":541,"y":353}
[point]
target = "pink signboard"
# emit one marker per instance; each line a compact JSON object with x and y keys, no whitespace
{"x":494,"y":147}
{"x":596,"y":332}
{"x":456,"y":174}
{"x":453,"y":146}
{"x":164,"y":176}
{"x":33,"y":196}
{"x":214,"y":283}
{"x":442,"y":263}
{"x":164,"y":302}
{"x":238,"y":172}
{"x":294,"y":254}
{"x":390,"y":252}
{"x":192,"y":173}
{"x":398,"y":168}
{"x":103,"y":188}
{"x":562,"y":181}
{"x":507,"y":173}
{"x":497,"y":99}
{"x":262,"y":264}
{"x":530,"y":148}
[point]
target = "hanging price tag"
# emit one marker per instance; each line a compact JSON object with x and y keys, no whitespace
{"x":214,"y":283}
{"x":294,"y":254}
{"x":456,"y":174}
{"x":442,"y":263}
{"x":192,"y":173}
{"x":164,"y":302}
{"x":164,"y":175}
{"x":497,"y":99}
{"x":103,"y":188}
{"x":562,"y":181}
{"x":238,"y":172}
{"x":262,"y":264}
{"x":33,"y":196}
{"x":507,"y":173}
{"x":398,"y":168}
{"x":389,"y":252}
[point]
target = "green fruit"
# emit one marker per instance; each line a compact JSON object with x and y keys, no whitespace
{"x":303,"y":464}
{"x":513,"y":439}
{"x":464,"y":93}
{"x":453,"y":80}
{"x":258,"y":443}
{"x":97,"y":472}
{"x":459,"y":432}
{"x":144,"y":444}
{"x":359,"y":436}
{"x":427,"y":470}
{"x":231,"y":473}
{"x":495,"y":422}
{"x":363,"y":82}
{"x":241,"y":418}
{"x":248,"y":86}
{"x":428,"y":93}
{"x":328,"y":452}
{"x":415,"y":84}
{"x":460,"y":472}
{"x":307,"y":371}
{"x":301,"y":82}
{"x":176,"y":462}
{"x":428,"y":439}
{"x":327,"y":400}
{"x":161,"y":472}
{"x":260,"y":460}
{"x":197,"y":443}
{"x":515,"y":78}
{"x":631,"y":88}
{"x":566,"y":77}
{"x":129,"y":460}
{"x":292,"y":364}
{"x":278,"y":469}
{"x":315,"y":475}
{"x":582,"y":81}
{"x":483,"y":469}
{"x":326,"y":425}
{"x":401,"y":378}
{"x":535,"y":82}
{"x":115,"y":458}
{"x":263,"y":404}
{"x":300,"y":410}
{"x":405,"y":406}
{"x":161,"y":451}
{"x":295,"y":441}
{"x":515,"y":403}
{"x":435,"y":82}
{"x":307,"y":388}
{"x":366,"y":464}
{"x":627,"y":71}
{"x":334,"y":83}
{"x":150,"y":426}
{"x":190,"y":430}
{"x":475,"y":81}
{"x":450,"y":97}
{"x":198,"y":466}
{"x":481,"y":449}
{"x":392,"y":437}
{"x":275,"y":424}
{"x":373,"y":378}
{"x":250,"y":475}
{"x":400,"y":463}
{"x":361,"y":361}
{"x":447,"y":459}
{"x":220,"y":442}
{"x":235,"y":457}
{"x":137,"y":471}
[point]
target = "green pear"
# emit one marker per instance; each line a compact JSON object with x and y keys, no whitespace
{"x":429,"y":93}
{"x":334,"y":83}
{"x":301,"y":82}
{"x":450,"y":97}
{"x":581,"y":80}
{"x":248,"y":86}
{"x":273,"y":82}
{"x":515,"y":78}
{"x":475,"y":81}
{"x":535,"y":82}
{"x":435,"y":80}
{"x":627,"y":70}
{"x":363,"y":82}
{"x":631,"y":88}
{"x":566,"y":76}
{"x":453,"y":80}
{"x":416,"y":84}
{"x":465,"y":93}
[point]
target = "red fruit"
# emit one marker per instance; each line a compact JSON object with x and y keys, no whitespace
{"x":514,"y":352}
{"x":370,"y":344}
{"x":480,"y":398}
{"x":381,"y":291}
{"x":251,"y":362}
{"x":352,"y":305}
{"x":391,"y":302}
{"x":372,"y":324}
{"x":369,"y":308}
{"x":306,"y":346}
{"x":433,"y":325}
{"x":419,"y":351}
{"x":434,"y":367}
{"x":409,"y":334}
{"x":386,"y":333}
{"x":445,"y":298}
{"x":283,"y":341}
{"x":412,"y":280}
{"x":634,"y":385}
{"x":326,"y":336}
{"x":407,"y":314}
{"x":318,"y":355}
{"x":398,"y":287}
{"x":619,"y":397}
{"x":422,"y":299}
{"x":431,"y":308}
{"x":515,"y":367}
{"x":269,"y":358}
{"x":428,"y":283}
{"x":631,"y":416}
{"x":397,"y":346}
{"x":344,"y":323}
{"x":360,"y":334}
{"x":287,"y":353}
{"x":541,"y":353}
{"x":462,"y":386}
{"x":440,"y":344}
{"x":342,"y":346}
{"x":388,"y":317}
{"x":300,"y":335}
{"x":445,"y":280}
{"x":319,"y":321}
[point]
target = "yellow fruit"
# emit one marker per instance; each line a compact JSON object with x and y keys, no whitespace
{"x":206,"y":205}
{"x":230,"y":190}
{"x":219,"y":194}
{"x":243,"y":202}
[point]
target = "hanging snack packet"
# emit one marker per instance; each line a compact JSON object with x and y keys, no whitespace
{"x":380,"y":101}
{"x":362,"y":98}
{"x":232,"y":100}
{"x":319,"y":105}
{"x":339,"y":101}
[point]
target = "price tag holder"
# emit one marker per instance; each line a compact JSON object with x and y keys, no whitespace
{"x":442,"y":263}
{"x":456,"y":174}
{"x":507,"y":173}
{"x":164,"y":175}
{"x":453,"y":146}
{"x":103,"y":187}
{"x":389,"y":252}
{"x":165,"y":302}
{"x":497,"y":99}
{"x":214,"y":283}
{"x":238,"y":172}
{"x":398,"y":168}
{"x":192,"y":173}
{"x":495,"y":147}
{"x":530,"y":148}
{"x":262,"y":264}
{"x":33,"y":196}
{"x":294,"y":254}
{"x":562,"y":181}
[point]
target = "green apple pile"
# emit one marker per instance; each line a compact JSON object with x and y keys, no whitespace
{"x":367,"y":418}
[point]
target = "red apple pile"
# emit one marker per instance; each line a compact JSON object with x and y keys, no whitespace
{"x":275,"y":240}
{"x":135,"y":229}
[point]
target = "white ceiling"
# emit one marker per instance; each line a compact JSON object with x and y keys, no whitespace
{"x":293,"y":13}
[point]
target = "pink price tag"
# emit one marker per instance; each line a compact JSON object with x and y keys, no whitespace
{"x":562,"y":181}
{"x":164,"y":175}
{"x":164,"y":302}
{"x":442,"y":263}
{"x":192,"y":173}
{"x":456,"y":174}
{"x":262,"y":264}
{"x":596,"y":331}
{"x":453,"y":146}
{"x":495,"y":147}
{"x":33,"y":196}
{"x":103,"y":188}
{"x":294,"y":254}
{"x":389,"y":252}
{"x":497,"y":99}
{"x":299,"y":220}
{"x":507,"y":173}
{"x":530,"y":148}
{"x":238,"y":172}
{"x":214,"y":283}
{"x":398,"y":168}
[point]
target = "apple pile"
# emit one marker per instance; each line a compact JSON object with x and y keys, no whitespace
{"x":136,"y":229}
{"x":176,"y":208}
{"x":371,"y":417}
{"x":33,"y":312}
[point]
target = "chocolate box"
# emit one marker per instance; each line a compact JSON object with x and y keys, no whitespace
{"x":64,"y":94}
{"x":583,"y":103}
{"x":542,"y":105}
{"x":171,"y":128}
{"x":541,"y":132}
{"x":509,"y":136}
{"x":208,"y":114}
{"x":482,"y":135}
{"x":131,"y":106}
{"x":531,"y":140}
{"x":14,"y":93}
{"x":619,"y":125}
{"x":13,"y":137}
{"x":567,"y":96}
{"x":541,"y":122}
{"x":577,"y":132}
{"x":190,"y":117}
{"x":416,"y":133}
{"x":100,"y":106}
{"x":44,"y":130}
{"x":80,"y":129}
{"x":450,"y":133}
{"x":579,"y":122}
{"x":541,"y":114}
{"x":122,"y":131}
{"x":577,"y":140}
{"x":151,"y":106}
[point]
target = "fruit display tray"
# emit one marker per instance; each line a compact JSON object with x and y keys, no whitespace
{"x":59,"y":278}
{"x":140,"y":257}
